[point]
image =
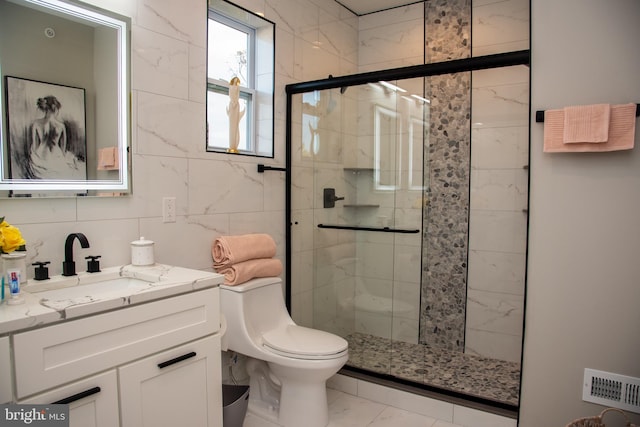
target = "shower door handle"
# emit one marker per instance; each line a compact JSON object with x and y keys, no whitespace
{"x":330,"y":198}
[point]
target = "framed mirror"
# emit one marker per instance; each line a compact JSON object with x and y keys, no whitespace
{"x":65,"y":112}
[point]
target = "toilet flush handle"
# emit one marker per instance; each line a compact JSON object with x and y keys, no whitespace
{"x":224,"y":341}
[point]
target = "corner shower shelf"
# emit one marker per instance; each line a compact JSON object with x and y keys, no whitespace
{"x":356,"y":170}
{"x":361,"y":206}
{"x":363,"y":228}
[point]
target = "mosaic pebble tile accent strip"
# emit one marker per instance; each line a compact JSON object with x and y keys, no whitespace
{"x":447,"y":30}
{"x":491,"y":379}
{"x":446,"y":217}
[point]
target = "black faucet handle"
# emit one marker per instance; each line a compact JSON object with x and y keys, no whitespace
{"x":41,"y":272}
{"x":93,"y":265}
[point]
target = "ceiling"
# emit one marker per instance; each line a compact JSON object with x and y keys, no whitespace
{"x":362,"y":7}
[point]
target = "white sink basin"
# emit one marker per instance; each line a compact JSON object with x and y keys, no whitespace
{"x":104,"y":284}
{"x":95,"y":290}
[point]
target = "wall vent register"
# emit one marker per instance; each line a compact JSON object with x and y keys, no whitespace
{"x":617,"y":391}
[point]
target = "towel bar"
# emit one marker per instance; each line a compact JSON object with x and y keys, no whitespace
{"x":540,"y":114}
{"x":262,"y":168}
{"x":357,"y":227}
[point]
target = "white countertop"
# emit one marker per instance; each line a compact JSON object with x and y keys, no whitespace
{"x":156,"y":281}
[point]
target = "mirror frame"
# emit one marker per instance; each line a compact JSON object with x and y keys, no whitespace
{"x":61,"y":188}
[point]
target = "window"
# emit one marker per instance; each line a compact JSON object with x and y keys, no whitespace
{"x":240,"y":45}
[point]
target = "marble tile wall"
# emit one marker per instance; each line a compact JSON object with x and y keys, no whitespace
{"x":499,"y":184}
{"x":392,"y":38}
{"x":388,"y":269}
{"x":499,"y":26}
{"x":388,"y":304}
{"x":499,"y":190}
{"x":324,"y":43}
{"x":216,"y":194}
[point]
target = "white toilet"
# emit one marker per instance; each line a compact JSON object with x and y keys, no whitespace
{"x":290,"y":364}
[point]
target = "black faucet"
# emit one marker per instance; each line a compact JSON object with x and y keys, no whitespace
{"x":69,"y":266}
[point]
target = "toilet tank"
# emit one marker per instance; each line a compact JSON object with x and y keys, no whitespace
{"x":260,"y":301}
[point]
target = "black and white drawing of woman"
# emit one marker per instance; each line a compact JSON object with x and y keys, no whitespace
{"x":49,"y":154}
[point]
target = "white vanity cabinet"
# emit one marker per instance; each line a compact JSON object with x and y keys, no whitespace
{"x":154,"y":364}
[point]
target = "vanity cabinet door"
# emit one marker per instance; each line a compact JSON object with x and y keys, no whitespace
{"x":93,"y":402}
{"x":178,"y":387}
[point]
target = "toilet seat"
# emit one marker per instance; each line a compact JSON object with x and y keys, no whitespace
{"x":304,"y":343}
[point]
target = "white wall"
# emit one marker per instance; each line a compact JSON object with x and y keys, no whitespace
{"x":583,"y":284}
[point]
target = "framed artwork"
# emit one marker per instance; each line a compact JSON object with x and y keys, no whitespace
{"x":46,"y":126}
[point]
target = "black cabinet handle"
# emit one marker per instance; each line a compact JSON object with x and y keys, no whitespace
{"x":176,"y":360}
{"x":78,"y":396}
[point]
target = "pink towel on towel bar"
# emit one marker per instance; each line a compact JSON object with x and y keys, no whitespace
{"x":241,"y":272}
{"x":586,"y":123}
{"x":622,"y":125}
{"x":234,"y":249}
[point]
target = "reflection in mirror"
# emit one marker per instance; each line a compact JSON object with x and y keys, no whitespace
{"x":417,"y":138}
{"x":65,"y":99}
{"x":384,"y":139}
{"x":321,"y":115}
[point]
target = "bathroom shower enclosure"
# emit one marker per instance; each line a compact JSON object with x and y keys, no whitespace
{"x":407,"y":218}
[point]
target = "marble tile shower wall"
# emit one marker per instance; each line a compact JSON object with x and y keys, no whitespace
{"x":326,"y":43}
{"x":499,"y":184}
{"x":387,"y":289}
{"x":390,"y":39}
{"x":215,"y":194}
{"x":498,"y":226}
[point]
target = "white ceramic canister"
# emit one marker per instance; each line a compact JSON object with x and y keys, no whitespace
{"x":142,"y":252}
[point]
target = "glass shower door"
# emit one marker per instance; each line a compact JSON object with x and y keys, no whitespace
{"x":409,"y":221}
{"x":357,"y":198}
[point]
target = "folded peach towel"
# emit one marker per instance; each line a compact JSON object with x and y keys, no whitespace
{"x":241,"y":272}
{"x":586,"y":123}
{"x":622,"y":125}
{"x":108,"y":159}
{"x":234,"y":249}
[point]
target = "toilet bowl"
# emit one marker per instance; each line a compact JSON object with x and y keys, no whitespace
{"x":289,"y":364}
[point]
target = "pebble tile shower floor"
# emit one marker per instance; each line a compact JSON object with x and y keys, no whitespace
{"x":491,"y":379}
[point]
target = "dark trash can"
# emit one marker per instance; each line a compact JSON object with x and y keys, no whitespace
{"x":235,"y":399}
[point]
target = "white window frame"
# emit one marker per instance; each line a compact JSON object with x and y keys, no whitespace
{"x":257,"y":94}
{"x":247,"y":93}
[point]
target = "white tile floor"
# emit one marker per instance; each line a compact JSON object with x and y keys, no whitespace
{"x":346,"y":410}
{"x":357,"y":403}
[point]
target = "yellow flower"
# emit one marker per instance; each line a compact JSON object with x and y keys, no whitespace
{"x":10,"y":237}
